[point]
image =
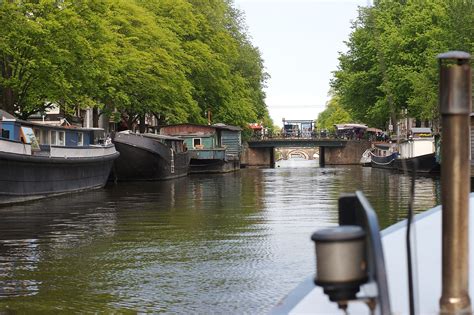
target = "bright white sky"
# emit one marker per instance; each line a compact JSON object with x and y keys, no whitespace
{"x":299,"y":41}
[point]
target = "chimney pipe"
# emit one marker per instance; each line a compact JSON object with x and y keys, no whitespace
{"x":455,"y":108}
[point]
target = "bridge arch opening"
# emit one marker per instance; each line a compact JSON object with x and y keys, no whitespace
{"x":297,"y":155}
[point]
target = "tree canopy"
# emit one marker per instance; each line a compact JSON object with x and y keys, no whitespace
{"x":333,"y":114}
{"x":390,"y":66}
{"x":176,"y":59}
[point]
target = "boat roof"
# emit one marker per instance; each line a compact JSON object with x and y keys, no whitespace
{"x":374,"y":130}
{"x":421,"y":130}
{"x":162,"y":137}
{"x":68,"y":127}
{"x":216,"y":126}
{"x":152,"y":135}
{"x":384,"y":145}
{"x":6,"y":115}
{"x":228,"y":127}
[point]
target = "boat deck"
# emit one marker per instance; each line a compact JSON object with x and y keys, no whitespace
{"x":309,"y":299}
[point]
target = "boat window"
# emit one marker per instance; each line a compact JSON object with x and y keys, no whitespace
{"x":38,"y":135}
{"x":53,"y":135}
{"x":61,"y":138}
{"x":44,"y":137}
{"x":196,"y":142}
{"x":80,"y":139}
{"x":5,"y":133}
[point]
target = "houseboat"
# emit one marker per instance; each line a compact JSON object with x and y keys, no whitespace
{"x":383,"y":155}
{"x":213,"y":148}
{"x":418,"y":152}
{"x":149,"y":156}
{"x":38,"y":161}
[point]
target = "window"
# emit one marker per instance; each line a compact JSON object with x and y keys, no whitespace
{"x":196,"y":142}
{"x":38,"y":135}
{"x":61,"y":138}
{"x":80,"y":139}
{"x":52,"y":137}
{"x":44,"y":137}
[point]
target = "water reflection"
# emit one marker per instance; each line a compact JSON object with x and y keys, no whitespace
{"x":233,"y":243}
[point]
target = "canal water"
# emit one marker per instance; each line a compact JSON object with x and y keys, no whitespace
{"x":220,"y":244}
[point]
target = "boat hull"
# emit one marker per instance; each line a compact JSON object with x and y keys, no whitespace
{"x":386,"y":162}
{"x":213,"y":166}
{"x":425,"y":164}
{"x":146,"y":159}
{"x":29,"y":177}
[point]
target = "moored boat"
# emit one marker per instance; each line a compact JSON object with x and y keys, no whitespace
{"x":38,"y":161}
{"x":213,"y":148}
{"x":149,"y":156}
{"x":418,"y":152}
{"x":383,"y":155}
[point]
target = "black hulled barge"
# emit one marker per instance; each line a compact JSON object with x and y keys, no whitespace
{"x":149,"y":156}
{"x":38,"y":161}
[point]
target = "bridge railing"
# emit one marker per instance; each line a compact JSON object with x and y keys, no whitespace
{"x":313,"y":136}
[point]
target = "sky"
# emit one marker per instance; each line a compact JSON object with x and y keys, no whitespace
{"x":300,"y":41}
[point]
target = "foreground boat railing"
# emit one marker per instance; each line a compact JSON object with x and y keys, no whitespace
{"x":354,"y":212}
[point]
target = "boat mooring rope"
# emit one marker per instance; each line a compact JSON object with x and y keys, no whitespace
{"x":410,"y":258}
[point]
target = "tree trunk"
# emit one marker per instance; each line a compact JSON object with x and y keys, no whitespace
{"x":8,"y":103}
{"x":8,"y":95}
{"x":95,"y":117}
{"x":142,"y":124}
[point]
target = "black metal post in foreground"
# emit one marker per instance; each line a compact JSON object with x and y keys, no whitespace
{"x":455,"y":108}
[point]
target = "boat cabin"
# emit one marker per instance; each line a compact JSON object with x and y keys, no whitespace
{"x":212,"y":141}
{"x":420,"y":142}
{"x":384,"y":149}
{"x":42,"y":137}
{"x":175,"y":143}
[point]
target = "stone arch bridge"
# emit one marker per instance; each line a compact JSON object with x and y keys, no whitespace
{"x":262,"y":153}
{"x":286,"y":153}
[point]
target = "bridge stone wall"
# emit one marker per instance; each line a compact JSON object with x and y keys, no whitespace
{"x":256,"y":157}
{"x":350,"y":154}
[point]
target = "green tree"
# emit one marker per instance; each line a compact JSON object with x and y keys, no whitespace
{"x":391,"y":66}
{"x":149,"y":77}
{"x":50,"y":53}
{"x":333,"y":114}
{"x":176,"y":59}
{"x":358,"y":78}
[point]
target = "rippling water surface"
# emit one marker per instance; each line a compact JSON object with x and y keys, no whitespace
{"x":225,"y":244}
